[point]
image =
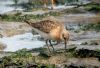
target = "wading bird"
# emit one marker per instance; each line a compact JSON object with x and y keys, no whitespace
{"x":50,"y":30}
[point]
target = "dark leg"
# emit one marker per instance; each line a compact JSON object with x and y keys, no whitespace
{"x":65,"y":44}
{"x":66,"y":41}
{"x":51,"y":45}
{"x":56,"y":43}
{"x":48,"y":46}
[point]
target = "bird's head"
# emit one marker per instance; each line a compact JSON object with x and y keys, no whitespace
{"x":65,"y":36}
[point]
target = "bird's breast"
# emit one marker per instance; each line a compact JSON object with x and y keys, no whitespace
{"x":55,"y":34}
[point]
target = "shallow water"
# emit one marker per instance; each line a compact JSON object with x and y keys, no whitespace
{"x":5,"y":8}
{"x":17,"y":42}
{"x":61,"y":7}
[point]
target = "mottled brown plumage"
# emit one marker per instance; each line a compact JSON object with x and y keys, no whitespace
{"x":45,"y":26}
{"x":51,"y":30}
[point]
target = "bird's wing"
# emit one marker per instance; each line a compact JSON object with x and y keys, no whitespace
{"x":46,"y":25}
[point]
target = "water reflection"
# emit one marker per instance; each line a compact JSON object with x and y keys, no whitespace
{"x":17,"y":42}
{"x":5,"y":8}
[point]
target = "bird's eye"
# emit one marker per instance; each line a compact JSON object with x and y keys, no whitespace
{"x":64,"y":37}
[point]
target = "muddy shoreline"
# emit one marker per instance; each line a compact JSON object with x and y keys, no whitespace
{"x":10,"y":29}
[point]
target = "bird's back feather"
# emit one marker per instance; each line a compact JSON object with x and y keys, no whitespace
{"x":45,"y":26}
